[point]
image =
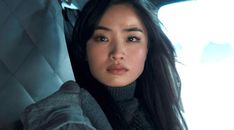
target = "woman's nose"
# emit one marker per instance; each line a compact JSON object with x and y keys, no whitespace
{"x":117,"y":52}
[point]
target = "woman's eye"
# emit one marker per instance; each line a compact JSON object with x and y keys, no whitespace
{"x":133,"y":39}
{"x":101,"y":39}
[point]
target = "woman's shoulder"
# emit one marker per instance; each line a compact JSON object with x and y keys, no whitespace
{"x":70,"y":107}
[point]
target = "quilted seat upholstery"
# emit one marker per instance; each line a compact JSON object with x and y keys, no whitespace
{"x":34,"y":61}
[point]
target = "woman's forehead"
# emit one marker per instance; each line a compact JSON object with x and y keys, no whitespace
{"x":121,"y":15}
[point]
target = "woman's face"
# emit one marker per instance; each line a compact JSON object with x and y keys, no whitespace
{"x":117,"y":50}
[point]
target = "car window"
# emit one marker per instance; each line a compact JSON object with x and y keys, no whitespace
{"x":202,"y":32}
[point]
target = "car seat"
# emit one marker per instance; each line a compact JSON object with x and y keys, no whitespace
{"x":34,"y":61}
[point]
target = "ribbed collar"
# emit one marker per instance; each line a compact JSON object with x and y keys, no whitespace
{"x":122,"y":93}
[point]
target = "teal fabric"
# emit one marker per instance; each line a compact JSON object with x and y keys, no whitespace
{"x":70,"y":108}
{"x":34,"y":61}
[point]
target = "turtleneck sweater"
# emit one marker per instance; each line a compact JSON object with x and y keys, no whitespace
{"x":132,"y":110}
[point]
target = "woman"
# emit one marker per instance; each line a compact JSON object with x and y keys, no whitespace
{"x":123,"y":59}
{"x":120,"y":49}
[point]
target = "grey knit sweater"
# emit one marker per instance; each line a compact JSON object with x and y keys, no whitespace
{"x":73,"y":108}
{"x":70,"y":108}
{"x":132,"y":110}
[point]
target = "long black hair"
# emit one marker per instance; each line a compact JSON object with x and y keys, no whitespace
{"x":158,"y":87}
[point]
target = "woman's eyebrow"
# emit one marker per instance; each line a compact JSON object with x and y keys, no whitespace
{"x":102,"y":28}
{"x":131,"y":29}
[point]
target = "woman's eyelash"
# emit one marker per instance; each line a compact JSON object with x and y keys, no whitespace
{"x":100,"y":38}
{"x":133,"y":39}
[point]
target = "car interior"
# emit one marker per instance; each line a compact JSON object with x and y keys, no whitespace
{"x":34,"y":52}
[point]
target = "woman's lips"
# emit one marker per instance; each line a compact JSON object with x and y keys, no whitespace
{"x":117,"y":69}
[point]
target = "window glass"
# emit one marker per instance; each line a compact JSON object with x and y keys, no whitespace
{"x":203,"y":34}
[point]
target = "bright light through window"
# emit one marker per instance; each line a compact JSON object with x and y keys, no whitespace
{"x":203,"y":34}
